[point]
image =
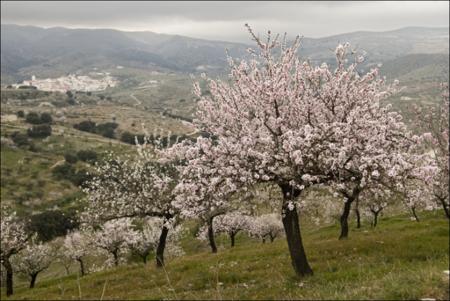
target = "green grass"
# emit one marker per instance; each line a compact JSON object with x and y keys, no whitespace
{"x":400,"y":259}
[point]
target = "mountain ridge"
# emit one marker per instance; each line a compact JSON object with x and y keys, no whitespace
{"x":56,"y":51}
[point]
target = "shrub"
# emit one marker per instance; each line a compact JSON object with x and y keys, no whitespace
{"x":80,"y":177}
{"x":106,"y":129}
{"x":20,"y":114}
{"x":87,"y":156}
{"x":40,"y":131}
{"x":85,"y":126}
{"x":51,"y":223}
{"x":46,"y":118}
{"x":71,"y":101}
{"x":33,"y":118}
{"x":20,"y":139}
{"x":70,"y":158}
{"x":63,"y":171}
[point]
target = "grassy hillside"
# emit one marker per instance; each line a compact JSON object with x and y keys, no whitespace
{"x":400,"y":259}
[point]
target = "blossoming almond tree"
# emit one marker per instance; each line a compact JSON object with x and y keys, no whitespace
{"x":113,"y":237}
{"x":232,"y":223}
{"x":13,"y":240}
{"x":34,"y":259}
{"x":435,"y":122}
{"x":203,"y":191}
{"x":290,"y":123}
{"x":134,"y":187}
{"x":266,"y":225}
{"x":76,"y":246}
{"x":144,"y":241}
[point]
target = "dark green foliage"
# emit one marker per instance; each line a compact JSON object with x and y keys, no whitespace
{"x":89,"y":156}
{"x":52,"y":223}
{"x":71,"y":101}
{"x":85,"y":126}
{"x":28,"y":87}
{"x":70,"y":158}
{"x":33,"y":118}
{"x":106,"y":129}
{"x":69,"y":94}
{"x":20,"y":139}
{"x":63,"y":171}
{"x":20,"y":114}
{"x":80,"y":177}
{"x":40,"y":131}
{"x":66,"y":171}
{"x":46,"y":118}
{"x":129,"y":138}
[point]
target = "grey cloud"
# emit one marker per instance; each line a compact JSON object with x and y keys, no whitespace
{"x":224,"y":20}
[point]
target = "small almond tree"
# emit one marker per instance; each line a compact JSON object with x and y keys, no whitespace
{"x":144,"y":240}
{"x":265,"y":226}
{"x":134,"y":187}
{"x":113,"y":237}
{"x":232,"y":223}
{"x":77,"y":246}
{"x":13,"y":240}
{"x":33,"y":259}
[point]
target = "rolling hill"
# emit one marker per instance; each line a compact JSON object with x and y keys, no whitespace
{"x":27,"y":50}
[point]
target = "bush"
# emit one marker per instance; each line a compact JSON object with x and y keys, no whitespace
{"x":63,"y":171}
{"x":129,"y":138}
{"x":52,"y":223}
{"x":20,"y":114}
{"x":33,"y":118}
{"x":46,"y":118}
{"x":106,"y":129}
{"x":40,"y":131}
{"x":87,"y":156}
{"x":85,"y":126}
{"x":20,"y":139}
{"x":70,"y":158}
{"x":80,"y":177}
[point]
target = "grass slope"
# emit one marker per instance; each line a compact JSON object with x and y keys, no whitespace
{"x":400,"y":259}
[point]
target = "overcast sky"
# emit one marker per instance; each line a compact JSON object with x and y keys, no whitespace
{"x":225,"y":20}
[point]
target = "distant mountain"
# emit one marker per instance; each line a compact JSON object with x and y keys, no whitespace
{"x":27,"y":50}
{"x":429,"y":67}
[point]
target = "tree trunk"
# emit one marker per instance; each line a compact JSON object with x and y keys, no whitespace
{"x":263,"y":240}
{"x":212,"y":242}
{"x":161,"y":247}
{"x":116,"y":257}
{"x":144,"y":258}
{"x":293,"y":235}
{"x":445,"y":206}
{"x":33,"y":280}
{"x":9,"y":277}
{"x":358,"y":215}
{"x":232,"y":235}
{"x":81,"y":267}
{"x":375,"y":218}
{"x":344,"y":219}
{"x":272,"y":238}
{"x":413,"y":209}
